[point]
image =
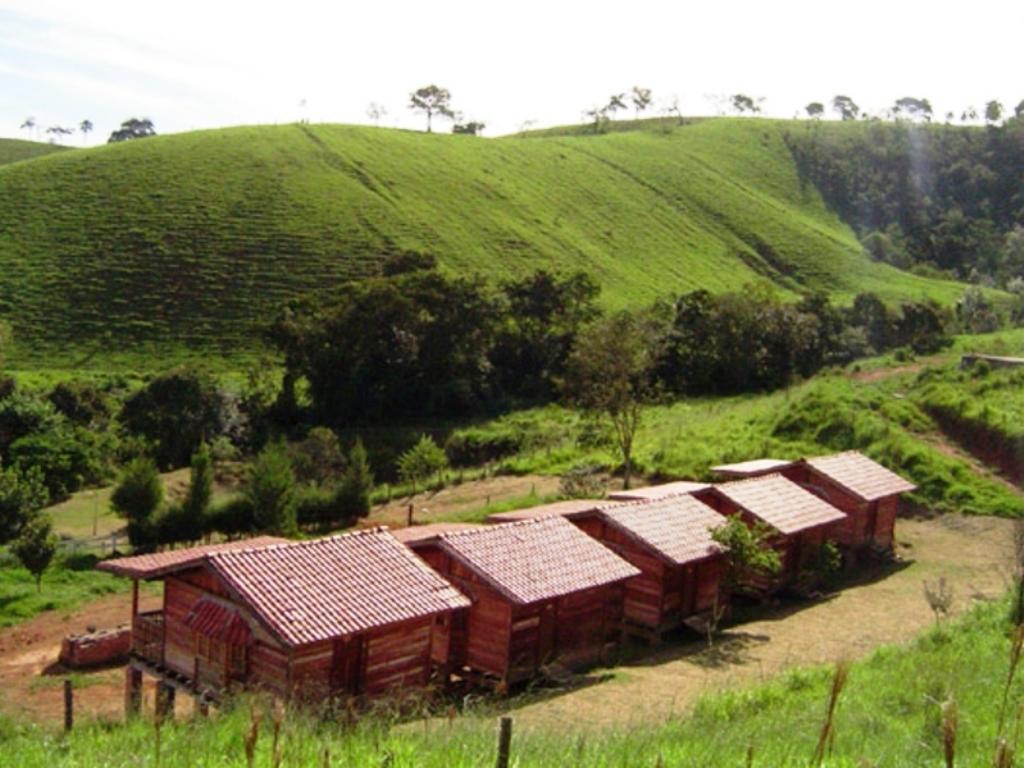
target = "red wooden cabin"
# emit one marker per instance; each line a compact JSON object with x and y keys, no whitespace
{"x":352,"y":613}
{"x":741,"y":470}
{"x":802,"y":522}
{"x":866,"y":491}
{"x":669,"y":540}
{"x":541,"y":591}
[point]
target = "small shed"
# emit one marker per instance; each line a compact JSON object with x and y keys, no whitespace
{"x":566,"y":508}
{"x":669,"y":540}
{"x":802,"y":522}
{"x":541,"y":591}
{"x":866,"y":491}
{"x":653,"y":492}
{"x":354,"y":613}
{"x":753,"y":468}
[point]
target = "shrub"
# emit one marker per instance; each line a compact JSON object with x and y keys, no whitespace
{"x":231,"y":517}
{"x":35,"y":546}
{"x":472,"y":447}
{"x":270,"y":490}
{"x":421,"y":461}
{"x":81,"y":403}
{"x":582,"y":482}
{"x":137,"y":497}
{"x":22,"y":492}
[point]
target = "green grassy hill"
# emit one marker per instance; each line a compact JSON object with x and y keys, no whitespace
{"x":13,"y":150}
{"x":192,"y":239}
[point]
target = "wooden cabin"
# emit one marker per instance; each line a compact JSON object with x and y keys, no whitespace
{"x":742,"y":470}
{"x":669,"y":540}
{"x":352,"y":614}
{"x":866,"y":491}
{"x":802,"y":522}
{"x":541,"y":590}
{"x":655,"y":492}
{"x":419,"y":534}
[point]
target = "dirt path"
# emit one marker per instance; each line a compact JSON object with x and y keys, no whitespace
{"x":974,"y":554}
{"x":455,"y":500}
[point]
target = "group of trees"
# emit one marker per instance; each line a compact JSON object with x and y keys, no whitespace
{"x":132,"y":128}
{"x":910,"y":108}
{"x":952,"y":200}
{"x":434,"y":101}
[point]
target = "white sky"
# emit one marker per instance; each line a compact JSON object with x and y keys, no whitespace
{"x":191,"y":64}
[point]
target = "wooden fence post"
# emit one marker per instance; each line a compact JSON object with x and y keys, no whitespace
{"x":408,"y":517}
{"x":69,"y":706}
{"x":504,"y":741}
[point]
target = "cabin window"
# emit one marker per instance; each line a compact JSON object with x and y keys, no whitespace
{"x":237,"y":658}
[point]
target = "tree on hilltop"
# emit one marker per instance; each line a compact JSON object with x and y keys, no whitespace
{"x":133,"y":128}
{"x":913,"y":108}
{"x":472,"y":128}
{"x":85,"y":127}
{"x":845,"y":107}
{"x":742,"y":103}
{"x":815,"y":110}
{"x":616,"y":102}
{"x":432,"y":100}
{"x":29,"y":125}
{"x":993,"y":111}
{"x":375,"y":112}
{"x":641,"y":98}
{"x":58,"y":132}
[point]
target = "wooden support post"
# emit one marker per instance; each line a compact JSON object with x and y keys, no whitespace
{"x":69,"y":706}
{"x":408,"y":517}
{"x":202,"y":706}
{"x":164,"y":701}
{"x":135,"y":600}
{"x":504,"y":741}
{"x":132,"y":691}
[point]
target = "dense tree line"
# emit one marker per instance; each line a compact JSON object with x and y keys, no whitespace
{"x":948,"y":197}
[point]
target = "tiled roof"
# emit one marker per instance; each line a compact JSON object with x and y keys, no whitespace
{"x":160,"y":563}
{"x":569,"y":507}
{"x":652,"y":492}
{"x":677,"y":527}
{"x":417,"y":533}
{"x":537,"y":559}
{"x":315,"y":590}
{"x":865,"y":478}
{"x":750,"y":468}
{"x":218,"y":622}
{"x":780,"y":503}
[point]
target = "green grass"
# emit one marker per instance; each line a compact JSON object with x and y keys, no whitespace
{"x":180,"y":244}
{"x":15,"y":150}
{"x":887,"y":715}
{"x":830,"y":413}
{"x":65,"y":587}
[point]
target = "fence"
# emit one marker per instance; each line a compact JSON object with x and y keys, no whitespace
{"x":98,"y":545}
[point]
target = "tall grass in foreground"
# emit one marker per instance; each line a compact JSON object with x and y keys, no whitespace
{"x":889,"y":710}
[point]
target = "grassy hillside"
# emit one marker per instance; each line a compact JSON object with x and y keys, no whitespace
{"x":191,"y":239}
{"x":13,"y":150}
{"x":888,"y":714}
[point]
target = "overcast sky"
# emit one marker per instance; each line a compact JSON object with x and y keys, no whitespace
{"x":189,"y":65}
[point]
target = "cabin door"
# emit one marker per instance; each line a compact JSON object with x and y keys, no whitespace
{"x":347,"y":664}
{"x":547,"y":632}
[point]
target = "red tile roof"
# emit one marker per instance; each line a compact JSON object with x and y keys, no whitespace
{"x":652,"y":492}
{"x":569,"y":507}
{"x":678,"y":528}
{"x":780,"y":503}
{"x":418,"y":533}
{"x":315,"y":590}
{"x":218,"y":622}
{"x":867,"y":479}
{"x":750,"y":468}
{"x":160,"y":563}
{"x":537,"y":559}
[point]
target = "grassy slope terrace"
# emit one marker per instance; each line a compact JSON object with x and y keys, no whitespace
{"x":192,"y":238}
{"x":13,"y":150}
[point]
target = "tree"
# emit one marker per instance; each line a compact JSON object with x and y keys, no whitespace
{"x":472,"y":128}
{"x":58,"y":132}
{"x":748,"y":552}
{"x":598,"y":117}
{"x":993,"y":111}
{"x":5,"y":342}
{"x":845,"y":107}
{"x":375,"y":112}
{"x":914,"y":108}
{"x":137,"y":497}
{"x":270,"y":490}
{"x":318,"y":458}
{"x":1018,"y":111}
{"x":133,"y":128}
{"x":672,"y":108}
{"x":421,"y":461}
{"x":85,"y":127}
{"x":29,"y":125}
{"x":357,"y":482}
{"x":431,"y":100}
{"x":969,"y":115}
{"x":641,"y":98}
{"x":35,"y":546}
{"x":616,"y":102}
{"x":22,"y":493}
{"x":815,"y":110}
{"x":608,"y":375}
{"x":200,"y":488}
{"x":742,"y":103}
{"x":176,"y":412}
